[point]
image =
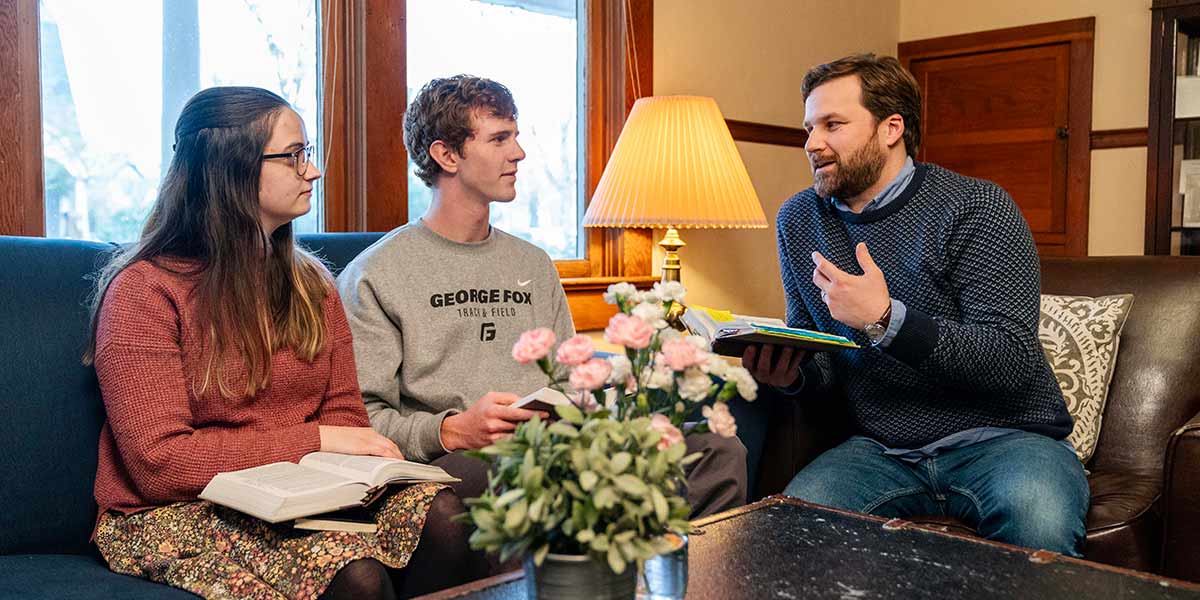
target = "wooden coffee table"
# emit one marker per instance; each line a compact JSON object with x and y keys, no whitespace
{"x":780,"y":547}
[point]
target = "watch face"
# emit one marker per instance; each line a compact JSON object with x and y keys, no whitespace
{"x":874,"y":331}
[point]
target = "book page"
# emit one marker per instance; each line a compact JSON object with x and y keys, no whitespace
{"x":364,"y":469}
{"x":287,"y":479}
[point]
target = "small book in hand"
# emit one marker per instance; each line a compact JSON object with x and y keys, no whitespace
{"x":322,"y":482}
{"x":545,"y":399}
{"x":729,"y":334}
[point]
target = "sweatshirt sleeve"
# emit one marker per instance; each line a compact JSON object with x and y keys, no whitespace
{"x":142,"y":381}
{"x":564,"y":325}
{"x":993,"y":269}
{"x":379,"y":353}
{"x":343,"y":403}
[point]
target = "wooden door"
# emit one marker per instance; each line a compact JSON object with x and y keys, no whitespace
{"x":1013,"y":106}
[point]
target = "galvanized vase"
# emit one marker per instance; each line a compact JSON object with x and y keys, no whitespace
{"x":577,"y":577}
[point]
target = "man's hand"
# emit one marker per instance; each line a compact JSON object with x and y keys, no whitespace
{"x":757,"y":360}
{"x":489,"y":419}
{"x":357,"y":440}
{"x":856,"y":300}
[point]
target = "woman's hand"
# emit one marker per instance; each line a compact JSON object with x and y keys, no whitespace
{"x":357,"y":440}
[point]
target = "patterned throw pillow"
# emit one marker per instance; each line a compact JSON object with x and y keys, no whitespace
{"x":1079,"y":336}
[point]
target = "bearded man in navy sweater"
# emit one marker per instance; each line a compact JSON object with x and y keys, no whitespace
{"x":937,"y":277}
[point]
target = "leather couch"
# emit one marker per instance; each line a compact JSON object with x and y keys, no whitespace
{"x":1145,"y":474}
{"x":51,"y":420}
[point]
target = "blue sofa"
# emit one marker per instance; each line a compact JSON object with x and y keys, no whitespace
{"x":51,"y":417}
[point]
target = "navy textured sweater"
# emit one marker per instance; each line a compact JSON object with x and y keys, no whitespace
{"x":958,"y":253}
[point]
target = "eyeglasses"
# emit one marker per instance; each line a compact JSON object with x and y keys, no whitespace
{"x":298,"y":158}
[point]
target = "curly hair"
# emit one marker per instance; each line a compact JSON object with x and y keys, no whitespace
{"x":442,"y":111}
{"x":887,"y":89}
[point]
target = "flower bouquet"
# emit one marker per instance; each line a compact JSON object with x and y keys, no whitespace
{"x":606,"y":479}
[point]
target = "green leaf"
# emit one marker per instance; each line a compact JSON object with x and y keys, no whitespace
{"x":604,"y":498}
{"x":569,"y":413}
{"x":587,"y":480}
{"x":661,"y":510}
{"x":535,"y":508}
{"x":509,"y":497}
{"x":573,"y":489}
{"x":585,"y":535}
{"x":631,"y":485}
{"x":620,"y":462}
{"x":564,"y":429}
{"x":615,"y":562}
{"x":676,"y":452}
{"x":516,"y":516}
{"x":539,"y":555}
{"x":689,"y":459}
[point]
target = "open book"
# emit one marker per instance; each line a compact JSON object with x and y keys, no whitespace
{"x":322,"y":482}
{"x":729,"y":334}
{"x":547,"y":398}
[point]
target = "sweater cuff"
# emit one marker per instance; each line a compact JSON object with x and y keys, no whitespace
{"x":429,"y":436}
{"x":916,"y":339}
{"x":309,"y":439}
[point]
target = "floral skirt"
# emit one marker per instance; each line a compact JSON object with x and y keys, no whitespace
{"x":217,"y":552}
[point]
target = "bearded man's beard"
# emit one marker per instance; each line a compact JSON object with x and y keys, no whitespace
{"x":852,"y":176}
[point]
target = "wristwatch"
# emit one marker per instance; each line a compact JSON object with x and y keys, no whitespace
{"x":875,"y":331}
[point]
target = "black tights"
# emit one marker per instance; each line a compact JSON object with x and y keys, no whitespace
{"x":442,"y":559}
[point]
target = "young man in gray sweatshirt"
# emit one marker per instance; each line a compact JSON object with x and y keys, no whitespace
{"x":436,"y":305}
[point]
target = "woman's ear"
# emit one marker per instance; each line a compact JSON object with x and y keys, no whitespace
{"x":444,"y":156}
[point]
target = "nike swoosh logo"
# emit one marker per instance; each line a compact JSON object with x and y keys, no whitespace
{"x":523,"y":283}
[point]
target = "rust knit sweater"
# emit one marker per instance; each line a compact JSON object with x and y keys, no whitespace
{"x":161,"y":442}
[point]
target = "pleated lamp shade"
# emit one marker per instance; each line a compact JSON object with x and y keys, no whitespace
{"x":675,"y":165}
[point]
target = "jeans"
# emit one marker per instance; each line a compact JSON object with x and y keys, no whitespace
{"x":1023,"y":488}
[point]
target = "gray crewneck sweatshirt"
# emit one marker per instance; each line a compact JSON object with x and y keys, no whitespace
{"x":434,"y":323}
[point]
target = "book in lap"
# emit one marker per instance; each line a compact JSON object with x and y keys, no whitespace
{"x":320,"y":483}
{"x":729,"y":334}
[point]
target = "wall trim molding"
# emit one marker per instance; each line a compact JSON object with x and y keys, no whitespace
{"x":765,"y":133}
{"x":1120,"y":138}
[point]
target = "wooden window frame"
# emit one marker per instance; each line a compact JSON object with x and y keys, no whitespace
{"x":363,"y":117}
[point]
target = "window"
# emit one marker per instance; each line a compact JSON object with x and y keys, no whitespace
{"x":532,"y":48}
{"x":114,"y":77}
{"x":352,"y":99}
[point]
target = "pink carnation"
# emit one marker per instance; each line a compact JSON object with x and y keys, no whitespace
{"x":680,"y":354}
{"x":575,"y":350}
{"x":628,"y":331}
{"x":590,"y":375}
{"x":670,"y":433}
{"x":534,"y":345}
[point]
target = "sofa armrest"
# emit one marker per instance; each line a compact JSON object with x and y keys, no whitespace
{"x":799,"y":429}
{"x":1181,"y":502}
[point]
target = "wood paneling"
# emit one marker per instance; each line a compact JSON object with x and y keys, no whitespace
{"x":1014,"y":106}
{"x":21,"y":186}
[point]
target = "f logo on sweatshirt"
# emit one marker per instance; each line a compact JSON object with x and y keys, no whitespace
{"x":487,"y":332}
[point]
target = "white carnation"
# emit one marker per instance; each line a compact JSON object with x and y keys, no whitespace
{"x":651,"y":297}
{"x":652,"y":314}
{"x":715,"y":365}
{"x":695,"y":385}
{"x":746,"y":385}
{"x":619,"y":291}
{"x":621,"y":369}
{"x":671,"y":291}
{"x":720,"y":420}
{"x":659,"y":378}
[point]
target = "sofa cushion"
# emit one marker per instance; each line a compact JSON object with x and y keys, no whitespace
{"x":1080,"y":336}
{"x":337,"y":249}
{"x":49,"y":399}
{"x":69,"y":577}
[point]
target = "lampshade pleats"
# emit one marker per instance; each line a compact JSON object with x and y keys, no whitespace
{"x":675,"y":165}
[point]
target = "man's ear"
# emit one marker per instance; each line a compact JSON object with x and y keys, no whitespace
{"x":893,"y":132}
{"x":444,"y":156}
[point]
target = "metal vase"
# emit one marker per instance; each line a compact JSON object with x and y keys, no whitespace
{"x":577,"y":577}
{"x":666,"y":575}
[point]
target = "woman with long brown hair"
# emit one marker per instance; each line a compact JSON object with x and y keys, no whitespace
{"x":220,"y":345}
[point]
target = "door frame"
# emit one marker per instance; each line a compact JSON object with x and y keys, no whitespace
{"x":1080,"y":34}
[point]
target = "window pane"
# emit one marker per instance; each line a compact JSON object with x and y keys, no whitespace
{"x":530,"y":46}
{"x":115,"y":76}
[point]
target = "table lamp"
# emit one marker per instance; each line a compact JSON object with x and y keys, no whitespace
{"x":675,"y":166}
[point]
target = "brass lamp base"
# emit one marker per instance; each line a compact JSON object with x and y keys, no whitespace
{"x":671,"y":268}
